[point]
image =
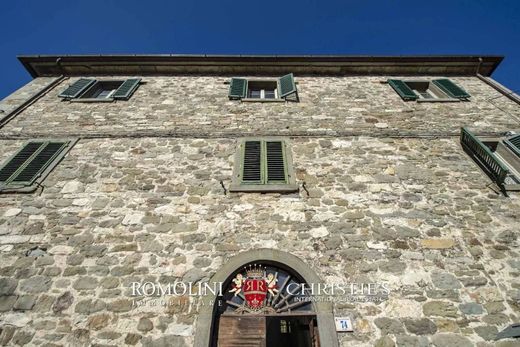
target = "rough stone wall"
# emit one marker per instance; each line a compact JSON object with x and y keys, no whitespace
{"x":329,"y":105}
{"x":21,"y":95}
{"x":416,"y":213}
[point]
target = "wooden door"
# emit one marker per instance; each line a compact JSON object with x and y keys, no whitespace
{"x":245,"y":331}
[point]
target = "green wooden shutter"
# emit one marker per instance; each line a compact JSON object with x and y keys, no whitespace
{"x":252,"y":162}
{"x":514,"y":144}
{"x":76,"y":88}
{"x":451,"y":88}
{"x":471,"y":144}
{"x":238,"y":88}
{"x":403,"y":90}
{"x":287,"y":85}
{"x":275,"y":162}
{"x":38,"y":163}
{"x":127,"y":89}
{"x":18,"y":160}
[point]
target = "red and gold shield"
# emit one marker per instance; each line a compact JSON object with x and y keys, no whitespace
{"x":255,"y":291}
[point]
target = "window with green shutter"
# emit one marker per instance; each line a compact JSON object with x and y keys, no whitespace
{"x":31,"y":164}
{"x":77,"y":88}
{"x":403,"y":90}
{"x":496,"y":157}
{"x":283,"y":88}
{"x":90,"y":90}
{"x":513,"y":143}
{"x":451,"y":89}
{"x":263,"y":165}
{"x":237,"y":88}
{"x":439,"y":90}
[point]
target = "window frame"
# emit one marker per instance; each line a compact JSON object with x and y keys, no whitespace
{"x":237,"y":184}
{"x":262,"y":97}
{"x":438,"y":95}
{"x":285,"y":90}
{"x":98,"y":85}
{"x":22,"y":187}
{"x":94,"y":83}
{"x":507,"y":159}
{"x":434,"y":89}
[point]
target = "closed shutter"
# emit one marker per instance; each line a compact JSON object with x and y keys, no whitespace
{"x":38,"y":163}
{"x":287,"y":85}
{"x":264,"y":162}
{"x":127,"y":89}
{"x":403,"y":90}
{"x":451,"y":88}
{"x":275,"y":162}
{"x":29,"y":163}
{"x":18,"y":160}
{"x":514,"y":144}
{"x":238,"y":88}
{"x":252,"y":162}
{"x":77,"y":88}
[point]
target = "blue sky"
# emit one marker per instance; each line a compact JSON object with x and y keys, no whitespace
{"x":390,"y":27}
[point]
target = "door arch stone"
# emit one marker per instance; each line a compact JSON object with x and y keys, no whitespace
{"x":323,"y":310}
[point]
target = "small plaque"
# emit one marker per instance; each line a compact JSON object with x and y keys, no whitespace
{"x":343,"y":324}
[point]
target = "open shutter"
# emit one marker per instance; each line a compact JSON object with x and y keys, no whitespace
{"x":451,"y":88}
{"x":238,"y":88}
{"x":252,"y":162}
{"x":127,"y":89}
{"x":514,"y":144}
{"x":275,"y":162}
{"x":38,"y":163}
{"x":18,"y":160}
{"x":403,"y":90}
{"x":487,"y":159}
{"x":287,"y":85}
{"x":76,"y":88}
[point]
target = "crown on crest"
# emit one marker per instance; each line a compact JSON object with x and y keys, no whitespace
{"x":254,"y":271}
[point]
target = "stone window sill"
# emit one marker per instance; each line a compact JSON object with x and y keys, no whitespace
{"x":512,"y":187}
{"x":262,"y":100}
{"x":264,"y":188}
{"x":87,"y":100}
{"x":438,"y":100}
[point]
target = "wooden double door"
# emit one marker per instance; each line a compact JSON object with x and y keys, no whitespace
{"x":268,"y":331}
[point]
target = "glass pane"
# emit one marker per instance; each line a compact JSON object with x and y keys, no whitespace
{"x":423,"y":94}
{"x":254,"y":94}
{"x":269,"y":94}
{"x":426,"y":95}
{"x":283,"y":327}
{"x":103,"y":94}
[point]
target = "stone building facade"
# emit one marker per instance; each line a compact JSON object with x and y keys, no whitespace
{"x":385,"y":194}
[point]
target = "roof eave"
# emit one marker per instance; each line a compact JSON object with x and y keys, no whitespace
{"x":165,"y":64}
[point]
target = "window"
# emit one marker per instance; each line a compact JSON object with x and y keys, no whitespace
{"x":86,"y":89}
{"x":499,"y":158}
{"x":436,"y":90}
{"x":262,"y":89}
{"x":101,"y":90}
{"x":283,"y":88}
{"x":27,"y":168}
{"x":263,"y":165}
{"x":285,"y":326}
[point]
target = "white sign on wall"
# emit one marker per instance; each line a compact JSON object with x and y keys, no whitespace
{"x":343,"y":324}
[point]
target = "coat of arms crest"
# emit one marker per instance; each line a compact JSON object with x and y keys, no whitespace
{"x":255,"y":286}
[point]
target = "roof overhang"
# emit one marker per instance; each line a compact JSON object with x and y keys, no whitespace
{"x":171,"y":64}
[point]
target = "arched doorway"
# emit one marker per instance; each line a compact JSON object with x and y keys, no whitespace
{"x":265,"y":318}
